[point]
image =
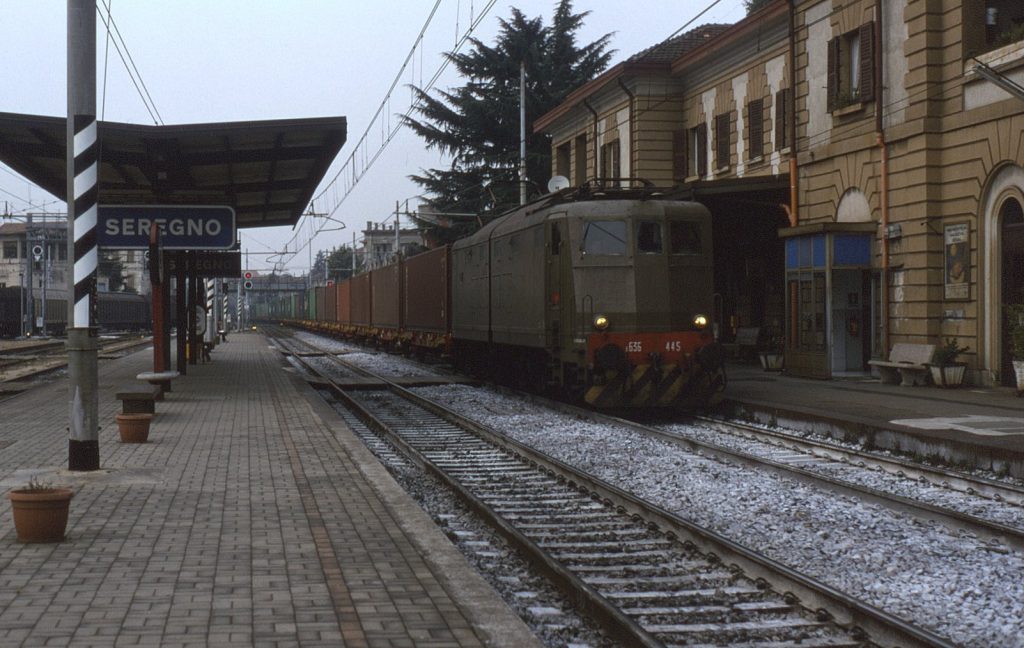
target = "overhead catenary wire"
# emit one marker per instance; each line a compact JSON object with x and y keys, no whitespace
{"x":351,"y":171}
{"x":129,"y":63}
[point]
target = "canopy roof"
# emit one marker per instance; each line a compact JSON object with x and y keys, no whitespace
{"x":266,"y":170}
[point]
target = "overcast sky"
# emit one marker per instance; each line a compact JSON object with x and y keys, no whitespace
{"x":233,"y":60}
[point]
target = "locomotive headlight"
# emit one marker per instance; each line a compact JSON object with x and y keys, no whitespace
{"x":700,"y":321}
{"x":601,"y":322}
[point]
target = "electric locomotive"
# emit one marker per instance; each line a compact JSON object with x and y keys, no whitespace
{"x":604,"y":292}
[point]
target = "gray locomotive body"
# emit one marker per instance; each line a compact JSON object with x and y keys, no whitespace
{"x":610,"y":297}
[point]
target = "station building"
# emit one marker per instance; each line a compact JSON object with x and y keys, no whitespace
{"x":863,"y":161}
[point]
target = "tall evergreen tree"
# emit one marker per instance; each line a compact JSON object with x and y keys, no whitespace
{"x":478,"y":123}
{"x":755,"y":5}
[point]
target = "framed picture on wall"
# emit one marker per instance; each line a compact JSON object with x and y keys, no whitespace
{"x":957,"y":248}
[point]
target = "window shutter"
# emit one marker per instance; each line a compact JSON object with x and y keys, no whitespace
{"x":867,"y":61}
{"x":679,"y":155}
{"x":781,"y":118}
{"x":833,"y":74}
{"x":702,"y":150}
{"x":755,"y":113}
{"x":722,"y":141}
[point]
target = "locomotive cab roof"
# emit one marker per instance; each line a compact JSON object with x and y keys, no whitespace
{"x":539,"y":209}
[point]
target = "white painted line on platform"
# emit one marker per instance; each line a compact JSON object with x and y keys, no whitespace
{"x":981,"y":425}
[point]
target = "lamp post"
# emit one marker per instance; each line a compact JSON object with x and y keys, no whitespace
{"x":21,"y":320}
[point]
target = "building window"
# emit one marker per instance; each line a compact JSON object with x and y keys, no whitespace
{"x":610,"y":160}
{"x":563,"y":160}
{"x":697,"y":143}
{"x":1004,"y":22}
{"x":722,"y":134}
{"x":610,"y":165}
{"x":581,"y":160}
{"x":851,"y":77}
{"x":680,"y":161}
{"x":783,"y":109}
{"x":10,"y":249}
{"x":755,"y":128}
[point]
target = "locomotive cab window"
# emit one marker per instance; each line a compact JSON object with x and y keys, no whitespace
{"x":648,"y":237}
{"x":604,"y":237}
{"x":684,"y":237}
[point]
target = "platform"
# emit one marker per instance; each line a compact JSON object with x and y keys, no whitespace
{"x":974,"y":426}
{"x":252,"y":517}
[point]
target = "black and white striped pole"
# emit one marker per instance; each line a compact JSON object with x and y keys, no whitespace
{"x":82,"y":192}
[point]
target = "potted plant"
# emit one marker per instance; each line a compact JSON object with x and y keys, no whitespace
{"x":40,"y":511}
{"x":134,"y":428}
{"x":946,"y":370}
{"x":1015,"y":330}
{"x":773,"y":357}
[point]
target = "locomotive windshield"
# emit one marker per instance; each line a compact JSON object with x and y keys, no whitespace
{"x":648,"y":237}
{"x":685,"y":237}
{"x":604,"y":237}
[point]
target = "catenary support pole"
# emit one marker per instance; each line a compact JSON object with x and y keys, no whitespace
{"x":82,"y":193}
{"x":181,"y":312}
{"x":522,"y":132}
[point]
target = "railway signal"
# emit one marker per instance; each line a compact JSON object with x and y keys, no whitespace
{"x":247,"y":276}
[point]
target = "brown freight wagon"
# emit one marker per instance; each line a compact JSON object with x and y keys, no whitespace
{"x":344,"y":290}
{"x":360,"y":300}
{"x":427,"y":302}
{"x":321,"y":303}
{"x":331,"y":310}
{"x":386,"y":299}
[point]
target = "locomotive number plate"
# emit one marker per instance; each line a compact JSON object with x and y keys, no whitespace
{"x":634,"y":346}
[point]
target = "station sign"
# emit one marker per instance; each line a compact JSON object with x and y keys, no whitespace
{"x":207,"y":263}
{"x":127,"y":227}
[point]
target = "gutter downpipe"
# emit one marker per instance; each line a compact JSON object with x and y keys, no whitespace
{"x":597,"y":149}
{"x":794,"y":217}
{"x":632,"y":98}
{"x":883,"y":171}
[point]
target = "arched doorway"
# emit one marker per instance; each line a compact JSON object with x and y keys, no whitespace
{"x":1011,"y":219}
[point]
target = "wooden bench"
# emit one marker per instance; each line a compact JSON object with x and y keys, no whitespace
{"x":749,"y":340}
{"x":906,"y":364}
{"x":138,"y":399}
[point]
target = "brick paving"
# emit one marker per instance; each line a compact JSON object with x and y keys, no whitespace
{"x":253,"y":517}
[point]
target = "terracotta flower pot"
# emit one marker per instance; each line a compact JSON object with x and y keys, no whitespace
{"x":40,"y":515}
{"x":134,"y":428}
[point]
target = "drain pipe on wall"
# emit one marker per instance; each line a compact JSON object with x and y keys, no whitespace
{"x":794,"y":218}
{"x":597,"y":149}
{"x":632,"y":171}
{"x":883,"y":171}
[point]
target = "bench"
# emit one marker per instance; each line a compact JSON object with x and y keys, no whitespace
{"x":138,"y":399}
{"x":906,"y":364}
{"x":160,"y":379}
{"x":749,"y":340}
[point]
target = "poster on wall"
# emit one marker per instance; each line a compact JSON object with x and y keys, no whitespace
{"x":958,"y":260}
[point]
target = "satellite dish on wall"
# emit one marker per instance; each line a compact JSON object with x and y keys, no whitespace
{"x":557,"y":183}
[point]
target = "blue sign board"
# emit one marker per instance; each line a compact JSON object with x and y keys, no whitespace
{"x":181,"y":227}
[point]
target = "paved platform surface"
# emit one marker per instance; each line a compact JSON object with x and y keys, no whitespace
{"x":983,"y":425}
{"x":253,"y":517}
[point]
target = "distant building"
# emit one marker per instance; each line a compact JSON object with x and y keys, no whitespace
{"x":379,"y":244}
{"x":19,"y":261}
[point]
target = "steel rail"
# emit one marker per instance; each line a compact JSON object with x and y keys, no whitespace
{"x":970,"y":484}
{"x":848,"y":612}
{"x":993,"y":532}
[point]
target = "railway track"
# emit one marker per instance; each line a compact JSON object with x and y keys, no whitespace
{"x":22,"y":362}
{"x":989,"y":508}
{"x":651,"y":578}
